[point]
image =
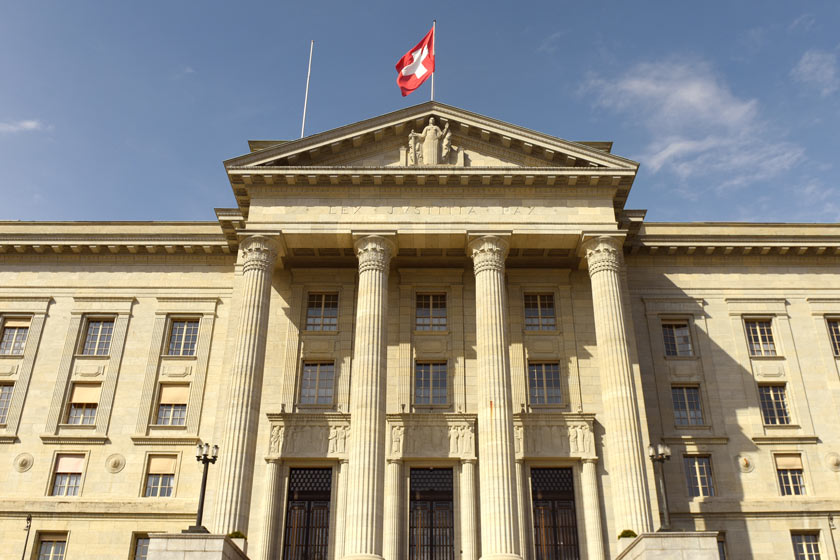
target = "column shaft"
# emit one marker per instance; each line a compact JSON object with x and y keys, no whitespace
{"x":468,"y":527}
{"x":592,"y":510}
{"x":391,"y":547}
{"x":243,"y":396}
{"x":274,"y":500}
{"x":523,"y":513}
{"x":365,"y":495}
{"x":499,"y":518}
{"x":341,"y":509}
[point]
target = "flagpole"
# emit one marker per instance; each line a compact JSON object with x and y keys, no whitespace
{"x":434,"y":48}
{"x":306,"y":95}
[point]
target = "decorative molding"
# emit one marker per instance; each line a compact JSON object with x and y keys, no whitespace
{"x":115,"y":463}
{"x":92,"y":439}
{"x":143,"y":439}
{"x":770,"y":440}
{"x":488,"y":253}
{"x":258,"y":253}
{"x":24,"y":462}
{"x":374,"y":253}
{"x":602,"y":254}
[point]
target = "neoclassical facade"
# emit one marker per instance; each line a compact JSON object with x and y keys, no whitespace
{"x":428,"y":335}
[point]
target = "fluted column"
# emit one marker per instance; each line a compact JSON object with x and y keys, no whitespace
{"x":469,"y":543}
{"x":626,"y":460}
{"x":393,"y":512}
{"x":243,"y":392}
{"x":341,"y":509}
{"x":592,"y":510}
{"x":363,"y":528}
{"x":274,"y":500}
{"x":499,"y":517}
{"x":523,"y":514}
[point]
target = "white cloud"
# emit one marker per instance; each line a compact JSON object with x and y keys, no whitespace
{"x":21,"y":126}
{"x":818,"y":69}
{"x":804,"y":22}
{"x":551,"y":43}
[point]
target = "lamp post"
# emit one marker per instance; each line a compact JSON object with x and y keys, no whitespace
{"x":203,"y":455}
{"x":660,"y":454}
{"x":26,"y":542}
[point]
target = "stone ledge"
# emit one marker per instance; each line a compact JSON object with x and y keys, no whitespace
{"x":672,"y":546}
{"x":183,"y":546}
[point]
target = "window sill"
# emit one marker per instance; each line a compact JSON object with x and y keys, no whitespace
{"x":93,"y":356}
{"x":430,"y":407}
{"x":767,"y":358}
{"x":78,"y":426}
{"x":444,"y":332}
{"x":318,"y":333}
{"x":541,"y":332}
{"x":315,"y":407}
{"x":167,"y":427}
{"x":176,"y":357}
{"x":75,"y":438}
{"x":551,"y":406}
{"x":691,"y":358}
{"x":153,"y":439}
{"x":11,"y":356}
{"x":686,"y":427}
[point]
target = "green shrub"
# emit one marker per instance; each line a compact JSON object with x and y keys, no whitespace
{"x":628,"y":533}
{"x":241,"y":535}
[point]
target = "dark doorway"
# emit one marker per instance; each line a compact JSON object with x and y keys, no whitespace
{"x":307,"y":534}
{"x":431,"y":521}
{"x":555,"y":523}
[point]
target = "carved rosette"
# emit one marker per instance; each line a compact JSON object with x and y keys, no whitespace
{"x":602,"y":254}
{"x":374,"y":253}
{"x":488,"y":253}
{"x":24,"y":462}
{"x":115,"y":463}
{"x":258,"y":253}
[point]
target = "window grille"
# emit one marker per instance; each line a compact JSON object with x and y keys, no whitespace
{"x":430,"y":384}
{"x":774,"y":408}
{"x":677,"y":339}
{"x":539,"y":312}
{"x":98,"y":337}
{"x":5,"y":401}
{"x":555,"y":522}
{"x":687,"y":409}
{"x":760,"y":337}
{"x":52,"y":548}
{"x":322,"y":312}
{"x":834,"y":334}
{"x":183,"y":336}
{"x":317,"y":383}
{"x":431,"y":519}
{"x":698,"y":474}
{"x":13,"y":338}
{"x":430,"y":313}
{"x":544,"y":383}
{"x":141,"y":548}
{"x":307,"y":532}
{"x":806,"y":546}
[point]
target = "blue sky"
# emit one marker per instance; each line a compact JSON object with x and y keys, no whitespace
{"x":126,"y":110}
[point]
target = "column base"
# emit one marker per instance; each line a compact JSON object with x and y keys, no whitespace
{"x":501,"y":556}
{"x":362,"y":557}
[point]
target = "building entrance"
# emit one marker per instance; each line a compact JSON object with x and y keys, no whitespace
{"x":307,"y":534}
{"x":431,"y":522}
{"x":555,"y":523}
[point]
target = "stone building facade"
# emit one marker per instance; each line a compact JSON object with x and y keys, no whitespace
{"x":401,"y":359}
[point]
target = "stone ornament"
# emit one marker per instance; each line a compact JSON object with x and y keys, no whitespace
{"x":832,"y":461}
{"x":580,"y":439}
{"x":338,"y":439}
{"x":374,"y":253}
{"x":275,"y":442}
{"x":24,"y":462}
{"x":432,"y":146}
{"x":488,"y":253}
{"x":461,"y":441}
{"x":602,"y":254}
{"x":746,"y":464}
{"x":258,"y":253}
{"x":396,"y":440}
{"x":115,"y":463}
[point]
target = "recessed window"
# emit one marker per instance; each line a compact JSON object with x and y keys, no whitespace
{"x":322,"y":312}
{"x":141,"y":547}
{"x":172,"y":405}
{"x":52,"y":547}
{"x":317,"y":383}
{"x":774,"y":409}
{"x":677,"y":338}
{"x":430,"y":384}
{"x":760,"y":337}
{"x":84,"y":399}
{"x":97,"y":341}
{"x":539,"y":312}
{"x":721,"y":545}
{"x":6,"y":390}
{"x":430,"y":314}
{"x":67,"y":477}
{"x":544,"y":383}
{"x":183,"y":334}
{"x":13,"y":337}
{"x":806,"y":546}
{"x":698,"y":475}
{"x":834,"y":334}
{"x":687,"y":409}
{"x":160,"y":476}
{"x":790,"y":473}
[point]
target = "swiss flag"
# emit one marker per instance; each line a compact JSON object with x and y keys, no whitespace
{"x":417,"y":65}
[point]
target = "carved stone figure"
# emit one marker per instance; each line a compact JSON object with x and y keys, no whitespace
{"x":276,"y":441}
{"x":413,"y":155}
{"x":454,"y":436}
{"x":518,"y":436}
{"x":573,"y":440}
{"x":396,"y":440}
{"x":342,"y":434}
{"x":432,"y":146}
{"x":333,"y":437}
{"x":467,"y":445}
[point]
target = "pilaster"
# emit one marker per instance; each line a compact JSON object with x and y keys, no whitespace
{"x":592,"y":510}
{"x":469,"y":529}
{"x":392,"y":524}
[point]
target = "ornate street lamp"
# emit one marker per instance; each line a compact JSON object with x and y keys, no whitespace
{"x":660,"y":454}
{"x":203,"y":455}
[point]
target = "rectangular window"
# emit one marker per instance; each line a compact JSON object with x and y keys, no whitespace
{"x":760,"y":337}
{"x":52,"y":547}
{"x":834,"y":334}
{"x":687,"y":409}
{"x":13,"y":337}
{"x":806,"y":546}
{"x":790,"y":473}
{"x":183,"y":334}
{"x":307,"y":531}
{"x":539,"y":312}
{"x":141,"y":547}
{"x":68,"y":475}
{"x":544,"y":383}
{"x":553,"y":514}
{"x":431,"y":519}
{"x":698,"y":475}
{"x":84,"y":399}
{"x":721,"y":543}
{"x":97,"y":341}
{"x":172,"y":405}
{"x":322,"y":312}
{"x":317,"y":383}
{"x":5,"y":401}
{"x":430,"y":384}
{"x":774,"y":410}
{"x":430,"y":313}
{"x":677,"y":338}
{"x":160,"y":476}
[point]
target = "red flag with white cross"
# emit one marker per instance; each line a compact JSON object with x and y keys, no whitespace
{"x":417,"y":65}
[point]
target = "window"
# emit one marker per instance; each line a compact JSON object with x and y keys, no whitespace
{"x":98,"y":335}
{"x":5,"y":401}
{"x":183,"y":334}
{"x":773,"y":404}
{"x":760,"y":337}
{"x":789,"y":471}
{"x":13,"y":338}
{"x":677,"y":338}
{"x":316,"y":386}
{"x":834,"y":334}
{"x":141,"y":547}
{"x":307,"y":531}
{"x":430,"y":385}
{"x":554,"y":518}
{"x":84,"y":398}
{"x":698,"y":475}
{"x":806,"y":546}
{"x":322,"y":312}
{"x":172,"y":405}
{"x":160,"y":476}
{"x":431,"y":521}
{"x":539,"y":312}
{"x":68,"y":475}
{"x":430,"y":313}
{"x":544,"y":383}
{"x":721,"y":544}
{"x":687,"y":409}
{"x":52,"y":547}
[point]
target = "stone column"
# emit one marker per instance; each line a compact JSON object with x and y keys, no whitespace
{"x":365,"y":490}
{"x":499,"y":517}
{"x":341,"y":509}
{"x":393,"y":512}
{"x":523,"y":513}
{"x":469,"y":550}
{"x":274,"y":501}
{"x":626,"y":459}
{"x":243,"y":392}
{"x":592,"y":510}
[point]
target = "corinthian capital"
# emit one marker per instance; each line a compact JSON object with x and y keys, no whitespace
{"x":488,"y":253}
{"x":602,"y":253}
{"x":258,"y":253}
{"x":374,"y":253}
